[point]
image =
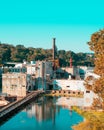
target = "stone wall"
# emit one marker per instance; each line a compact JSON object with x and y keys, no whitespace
{"x":14,"y":84}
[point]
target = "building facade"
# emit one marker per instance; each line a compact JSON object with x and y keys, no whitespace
{"x":44,"y":71}
{"x":17,"y":84}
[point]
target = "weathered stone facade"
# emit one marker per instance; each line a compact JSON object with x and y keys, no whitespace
{"x":14,"y":84}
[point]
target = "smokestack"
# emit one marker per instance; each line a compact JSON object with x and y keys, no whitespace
{"x":54,"y":40}
{"x":71,"y":62}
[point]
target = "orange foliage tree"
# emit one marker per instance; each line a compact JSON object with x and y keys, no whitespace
{"x":97,"y":45}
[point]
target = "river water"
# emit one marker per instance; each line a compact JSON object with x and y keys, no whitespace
{"x":43,"y":114}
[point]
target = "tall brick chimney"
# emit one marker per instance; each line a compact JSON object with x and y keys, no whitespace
{"x":71,"y":62}
{"x":54,"y":39}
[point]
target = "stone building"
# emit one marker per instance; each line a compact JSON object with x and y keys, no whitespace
{"x":17,"y":84}
{"x":44,"y":71}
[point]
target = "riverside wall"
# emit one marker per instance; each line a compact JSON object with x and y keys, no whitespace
{"x":12,"y":108}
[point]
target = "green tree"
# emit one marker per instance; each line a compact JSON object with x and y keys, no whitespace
{"x":19,"y":53}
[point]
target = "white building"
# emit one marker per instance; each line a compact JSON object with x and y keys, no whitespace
{"x":76,"y":85}
{"x":31,"y":69}
{"x":43,"y":70}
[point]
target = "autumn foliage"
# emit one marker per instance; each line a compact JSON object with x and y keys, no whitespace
{"x":97,"y":45}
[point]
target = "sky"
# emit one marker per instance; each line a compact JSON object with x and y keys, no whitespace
{"x":33,"y":23}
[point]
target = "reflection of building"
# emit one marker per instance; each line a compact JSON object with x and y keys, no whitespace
{"x":72,"y":101}
{"x":84,"y":102}
{"x":43,"y":110}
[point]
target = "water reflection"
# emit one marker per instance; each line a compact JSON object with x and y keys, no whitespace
{"x":70,"y":101}
{"x":44,"y":114}
{"x":43,"y":109}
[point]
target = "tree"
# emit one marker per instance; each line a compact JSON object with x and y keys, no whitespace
{"x":97,"y":45}
{"x":5,"y":53}
{"x":19,"y":53}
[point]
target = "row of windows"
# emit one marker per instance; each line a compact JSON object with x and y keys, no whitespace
{"x":14,"y":86}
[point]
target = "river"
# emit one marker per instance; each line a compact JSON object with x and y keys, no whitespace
{"x":43,"y":114}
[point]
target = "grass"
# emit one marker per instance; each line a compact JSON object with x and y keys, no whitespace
{"x":94,"y":120}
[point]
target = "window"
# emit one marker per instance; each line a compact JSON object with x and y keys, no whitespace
{"x":68,"y":86}
{"x":78,"y":92}
{"x":87,"y":91}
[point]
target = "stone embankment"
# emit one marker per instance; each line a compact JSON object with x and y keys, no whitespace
{"x":65,"y":93}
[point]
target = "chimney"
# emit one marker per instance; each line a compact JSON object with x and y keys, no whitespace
{"x":71,"y":62}
{"x":54,"y":39}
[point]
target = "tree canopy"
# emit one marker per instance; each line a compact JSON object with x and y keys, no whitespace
{"x":97,"y":45}
{"x":10,"y":53}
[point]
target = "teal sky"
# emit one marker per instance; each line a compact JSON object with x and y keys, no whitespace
{"x":34,"y":23}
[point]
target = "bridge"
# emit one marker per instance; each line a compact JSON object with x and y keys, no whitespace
{"x":10,"y":109}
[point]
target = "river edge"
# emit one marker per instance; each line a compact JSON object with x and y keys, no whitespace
{"x":94,"y":119}
{"x":46,"y":106}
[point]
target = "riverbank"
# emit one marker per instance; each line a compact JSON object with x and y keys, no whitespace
{"x":44,"y":113}
{"x":15,"y":106}
{"x":94,"y":120}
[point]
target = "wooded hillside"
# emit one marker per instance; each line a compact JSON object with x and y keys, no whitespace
{"x":10,"y":53}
